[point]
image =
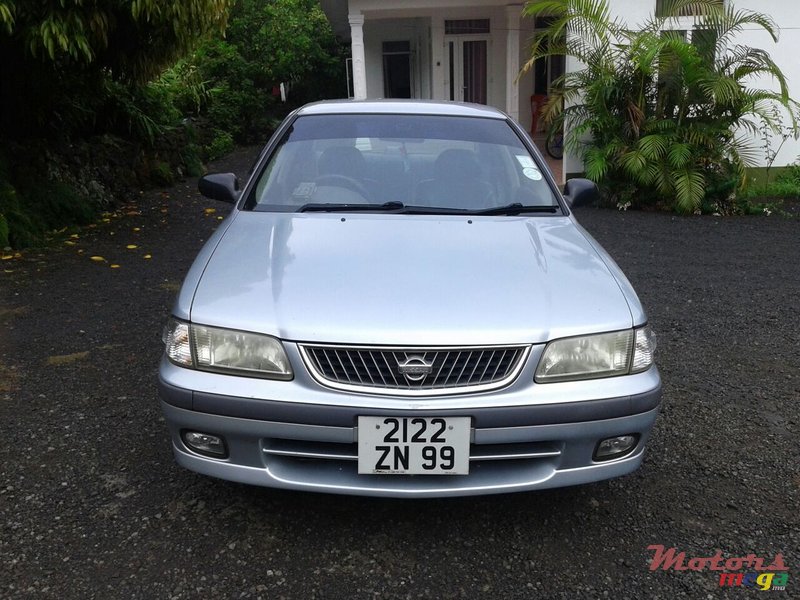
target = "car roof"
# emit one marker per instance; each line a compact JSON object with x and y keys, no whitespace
{"x":400,"y":107}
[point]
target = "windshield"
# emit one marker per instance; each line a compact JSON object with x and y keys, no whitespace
{"x":434,"y":162}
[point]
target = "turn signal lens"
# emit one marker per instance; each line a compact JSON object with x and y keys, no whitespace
{"x":176,"y":341}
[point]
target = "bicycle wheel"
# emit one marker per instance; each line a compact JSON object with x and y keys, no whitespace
{"x":555,"y":144}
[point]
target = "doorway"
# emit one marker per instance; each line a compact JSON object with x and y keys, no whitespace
{"x":397,"y":73}
{"x":468,"y":68}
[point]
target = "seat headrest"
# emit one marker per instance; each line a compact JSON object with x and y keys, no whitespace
{"x":457,"y":163}
{"x":342,"y":160}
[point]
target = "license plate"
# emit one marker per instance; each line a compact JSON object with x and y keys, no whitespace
{"x":413,"y":445}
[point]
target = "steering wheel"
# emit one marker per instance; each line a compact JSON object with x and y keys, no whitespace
{"x":344,"y":182}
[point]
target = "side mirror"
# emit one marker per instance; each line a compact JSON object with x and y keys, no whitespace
{"x":581,"y":192}
{"x":220,"y":186}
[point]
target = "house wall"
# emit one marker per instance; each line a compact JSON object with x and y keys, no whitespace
{"x":785,"y":53}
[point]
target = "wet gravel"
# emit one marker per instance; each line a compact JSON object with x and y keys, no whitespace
{"x":92,"y":504}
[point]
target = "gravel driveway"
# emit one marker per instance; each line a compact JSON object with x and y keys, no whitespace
{"x":93,"y":505}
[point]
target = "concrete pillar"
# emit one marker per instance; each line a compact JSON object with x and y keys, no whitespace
{"x":513,"y":14}
{"x":357,"y":49}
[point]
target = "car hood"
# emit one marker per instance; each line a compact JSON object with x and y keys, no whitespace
{"x":408,"y":280}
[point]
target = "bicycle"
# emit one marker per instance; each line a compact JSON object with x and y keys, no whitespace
{"x":555,"y":143}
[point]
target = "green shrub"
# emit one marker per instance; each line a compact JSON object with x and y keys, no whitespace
{"x":3,"y":231}
{"x":192,"y":164}
{"x":653,"y":115}
{"x":56,"y":204}
{"x":36,"y":205}
{"x":18,"y":229}
{"x":162,"y":173}
{"x":790,"y":176}
{"x":221,"y":145}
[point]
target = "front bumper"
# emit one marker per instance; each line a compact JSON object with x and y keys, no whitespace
{"x":298,"y":435}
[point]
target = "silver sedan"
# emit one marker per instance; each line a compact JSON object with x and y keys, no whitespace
{"x":401,"y":303}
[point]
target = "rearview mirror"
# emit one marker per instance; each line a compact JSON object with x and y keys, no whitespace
{"x":581,"y":192}
{"x":220,"y":186}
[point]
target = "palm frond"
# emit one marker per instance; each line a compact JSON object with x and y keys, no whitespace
{"x":689,"y":189}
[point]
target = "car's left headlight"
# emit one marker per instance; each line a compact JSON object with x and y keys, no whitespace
{"x":225,"y":351}
{"x":596,"y":356}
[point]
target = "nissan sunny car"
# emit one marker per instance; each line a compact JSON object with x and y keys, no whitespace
{"x":401,"y":303}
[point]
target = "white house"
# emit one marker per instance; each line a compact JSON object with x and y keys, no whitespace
{"x":471,"y":50}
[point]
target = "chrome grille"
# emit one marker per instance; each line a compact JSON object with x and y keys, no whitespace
{"x":414,"y":371}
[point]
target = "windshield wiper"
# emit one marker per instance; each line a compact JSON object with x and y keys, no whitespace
{"x":515,"y":209}
{"x":400,"y":208}
{"x":323,"y":207}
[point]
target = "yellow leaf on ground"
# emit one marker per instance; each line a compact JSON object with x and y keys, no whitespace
{"x":74,"y":236}
{"x":98,"y":259}
{"x":147,"y":256}
{"x":220,"y":218}
{"x":6,"y":257}
{"x":209,"y":211}
{"x":69,"y":243}
{"x":131,"y":246}
{"x":136,"y":229}
{"x":115,"y":266}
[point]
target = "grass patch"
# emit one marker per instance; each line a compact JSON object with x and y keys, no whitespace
{"x":768,"y":190}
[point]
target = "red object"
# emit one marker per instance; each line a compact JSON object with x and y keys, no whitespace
{"x":537,"y":104}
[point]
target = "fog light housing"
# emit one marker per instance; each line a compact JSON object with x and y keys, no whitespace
{"x":205,"y":443}
{"x":616,"y":447}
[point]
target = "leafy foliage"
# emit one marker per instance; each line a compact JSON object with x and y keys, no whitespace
{"x":656,"y":118}
{"x":60,"y":55}
{"x":136,"y":39}
{"x":156,"y":79}
{"x":266,"y":44}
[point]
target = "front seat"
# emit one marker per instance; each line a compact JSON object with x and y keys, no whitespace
{"x":342,"y":160}
{"x":337,"y":162}
{"x":457,"y":183}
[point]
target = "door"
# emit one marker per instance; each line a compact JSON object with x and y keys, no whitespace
{"x":397,"y":70}
{"x":468,"y":68}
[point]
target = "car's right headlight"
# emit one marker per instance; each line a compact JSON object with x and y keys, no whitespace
{"x":225,"y":351}
{"x":596,"y":356}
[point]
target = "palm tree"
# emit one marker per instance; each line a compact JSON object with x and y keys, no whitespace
{"x":655,"y":117}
